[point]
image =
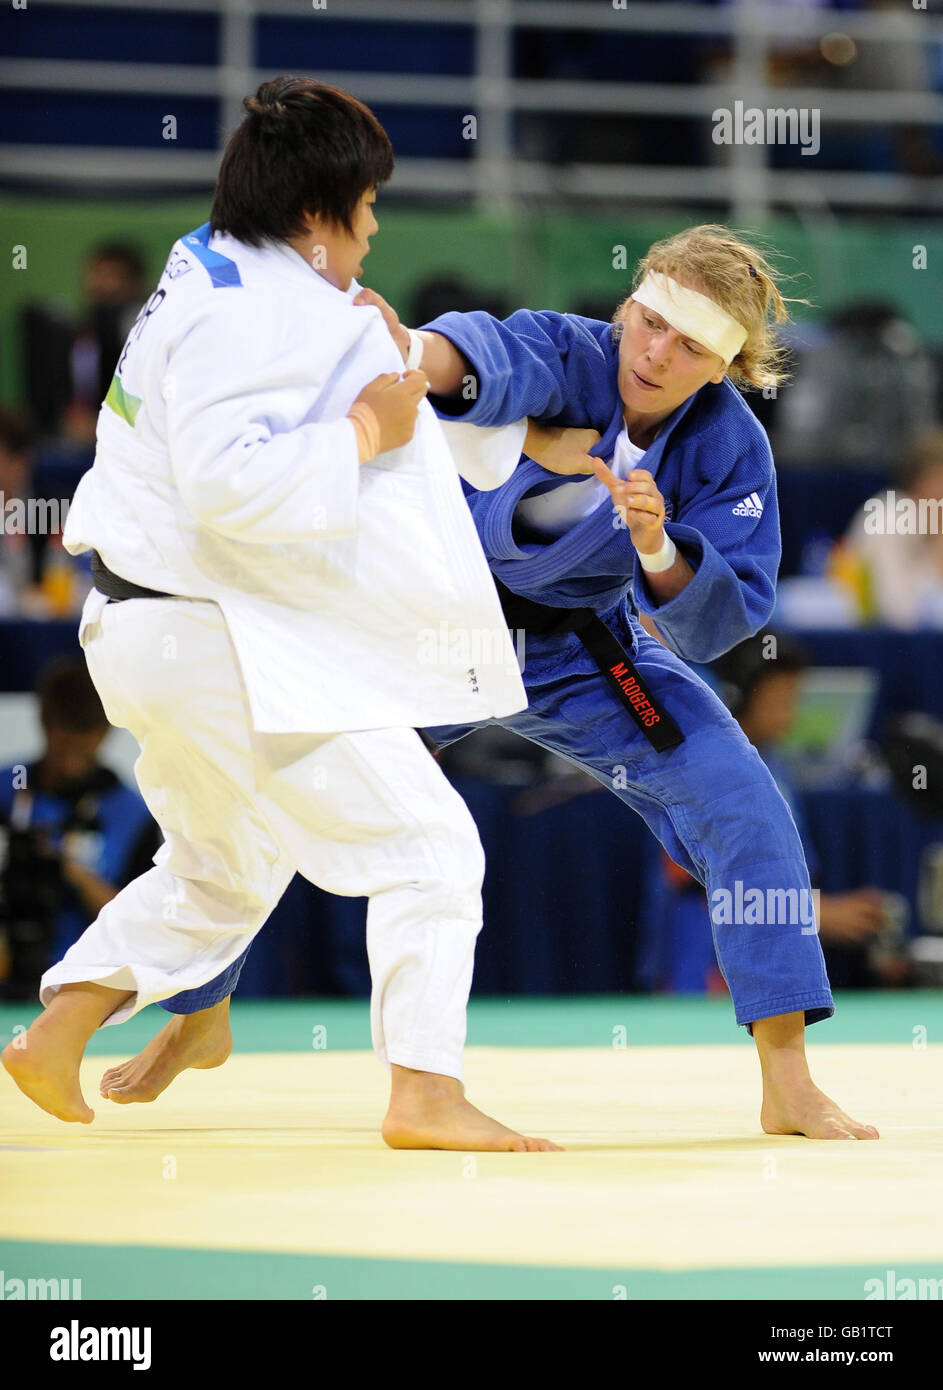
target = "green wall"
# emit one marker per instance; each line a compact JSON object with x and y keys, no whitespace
{"x":550,"y":261}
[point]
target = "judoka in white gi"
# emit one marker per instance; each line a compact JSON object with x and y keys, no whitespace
{"x":261,"y":461}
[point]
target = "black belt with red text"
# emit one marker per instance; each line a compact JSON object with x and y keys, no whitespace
{"x":647,"y":712}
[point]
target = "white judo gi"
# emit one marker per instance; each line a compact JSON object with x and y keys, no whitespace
{"x":327,"y":609}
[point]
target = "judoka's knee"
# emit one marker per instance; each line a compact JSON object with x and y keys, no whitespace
{"x":206,"y":905}
{"x":468,"y":860}
{"x":454,"y":871}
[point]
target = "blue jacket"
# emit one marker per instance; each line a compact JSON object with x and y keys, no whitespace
{"x":711,"y":456}
{"x":115,"y":835}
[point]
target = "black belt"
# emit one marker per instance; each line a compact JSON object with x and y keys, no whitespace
{"x":648,"y":713}
{"x":116,"y":588}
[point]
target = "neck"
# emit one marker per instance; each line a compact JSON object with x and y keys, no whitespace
{"x":642,"y":429}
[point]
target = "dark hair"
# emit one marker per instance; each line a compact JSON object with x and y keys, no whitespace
{"x":923,"y":451}
{"x":304,"y":147}
{"x":744,"y":669}
{"x":121,"y":253}
{"x":67,"y":697}
{"x":15,"y":434}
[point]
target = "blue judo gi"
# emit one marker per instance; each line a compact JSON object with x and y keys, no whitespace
{"x":711,"y":800}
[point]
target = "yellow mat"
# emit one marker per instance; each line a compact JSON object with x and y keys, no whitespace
{"x":666,"y":1165}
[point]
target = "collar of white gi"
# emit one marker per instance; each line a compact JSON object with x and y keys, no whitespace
{"x":692,"y":314}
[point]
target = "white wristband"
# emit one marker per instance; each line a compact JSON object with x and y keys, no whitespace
{"x":662,"y":559}
{"x":416,"y":349}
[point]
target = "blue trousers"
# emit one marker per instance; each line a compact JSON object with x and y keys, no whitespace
{"x":711,"y":802}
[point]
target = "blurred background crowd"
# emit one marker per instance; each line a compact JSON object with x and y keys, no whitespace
{"x":540,"y":148}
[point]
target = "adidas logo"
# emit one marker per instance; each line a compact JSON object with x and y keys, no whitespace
{"x":750,"y":506}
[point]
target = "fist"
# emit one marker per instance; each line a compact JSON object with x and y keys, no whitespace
{"x":394,"y":399}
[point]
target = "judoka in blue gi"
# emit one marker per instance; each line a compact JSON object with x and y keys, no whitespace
{"x":675,"y":534}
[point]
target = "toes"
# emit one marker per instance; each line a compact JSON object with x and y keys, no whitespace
{"x":831,"y":1128}
{"x":518,"y":1145}
{"x":851,"y":1129}
{"x":865,"y":1132}
{"x":119,"y":1095}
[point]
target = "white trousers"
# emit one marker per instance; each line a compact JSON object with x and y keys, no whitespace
{"x":365,"y":813}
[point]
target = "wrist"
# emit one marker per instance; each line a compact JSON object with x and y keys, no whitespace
{"x":415,"y":348}
{"x":539,"y":441}
{"x":661,"y":559}
{"x":367,"y":429}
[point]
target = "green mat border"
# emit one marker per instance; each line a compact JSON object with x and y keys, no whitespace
{"x":605,"y":1020}
{"x":128,"y":1272}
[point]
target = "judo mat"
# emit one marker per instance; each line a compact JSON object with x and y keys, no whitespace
{"x":267,"y":1178}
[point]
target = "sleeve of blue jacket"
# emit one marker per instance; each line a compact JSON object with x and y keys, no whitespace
{"x":734,"y":553}
{"x":534,"y":363}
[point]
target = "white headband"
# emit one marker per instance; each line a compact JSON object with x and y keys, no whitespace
{"x":692,"y":314}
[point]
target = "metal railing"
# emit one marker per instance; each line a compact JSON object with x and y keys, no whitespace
{"x":745,"y":183}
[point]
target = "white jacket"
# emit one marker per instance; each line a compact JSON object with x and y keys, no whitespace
{"x":356,"y":596}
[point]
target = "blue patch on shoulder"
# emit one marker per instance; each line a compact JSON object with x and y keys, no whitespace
{"x":223,"y":273}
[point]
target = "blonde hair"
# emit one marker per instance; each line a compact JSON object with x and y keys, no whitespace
{"x":736,"y":275}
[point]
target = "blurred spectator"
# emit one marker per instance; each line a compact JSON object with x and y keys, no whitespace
{"x":861,"y":395}
{"x":835,"y":61}
{"x":599,"y":307}
{"x":763,"y":695}
{"x":444,"y":292}
{"x":901,"y":65}
{"x":891,"y":557}
{"x":18,"y":559}
{"x":71,"y":833}
{"x":38,"y":578}
{"x":69,"y":365}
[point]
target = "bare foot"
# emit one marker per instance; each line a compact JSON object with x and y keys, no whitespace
{"x":44,"y":1061}
{"x":198,"y":1040}
{"x":792,"y":1103}
{"x":804,"y":1109}
{"x":48,"y":1073}
{"x":428,"y":1111}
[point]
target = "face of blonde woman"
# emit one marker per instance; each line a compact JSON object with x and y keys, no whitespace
{"x":658,"y":366}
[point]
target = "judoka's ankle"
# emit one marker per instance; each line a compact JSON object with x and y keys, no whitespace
{"x":81,"y":1008}
{"x":408,"y":1083}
